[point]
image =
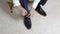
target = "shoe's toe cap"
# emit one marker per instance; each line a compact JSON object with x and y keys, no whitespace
{"x":27,"y":23}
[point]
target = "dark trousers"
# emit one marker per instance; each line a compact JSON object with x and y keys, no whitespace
{"x":24,"y":4}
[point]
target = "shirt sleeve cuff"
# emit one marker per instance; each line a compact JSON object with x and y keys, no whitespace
{"x":35,"y":3}
{"x":16,"y":3}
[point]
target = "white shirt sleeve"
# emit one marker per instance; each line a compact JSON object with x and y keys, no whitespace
{"x":35,"y":3}
{"x":16,"y":3}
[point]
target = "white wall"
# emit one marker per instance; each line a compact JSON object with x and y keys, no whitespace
{"x":13,"y":23}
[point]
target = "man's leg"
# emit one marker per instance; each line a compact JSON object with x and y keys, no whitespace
{"x":42,"y":2}
{"x":27,"y":21}
{"x":24,"y":4}
{"x":40,"y":10}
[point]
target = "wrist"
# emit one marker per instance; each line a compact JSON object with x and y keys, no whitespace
{"x":33,"y":8}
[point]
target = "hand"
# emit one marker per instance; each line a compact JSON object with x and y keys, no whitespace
{"x":32,"y":10}
{"x":23,"y":12}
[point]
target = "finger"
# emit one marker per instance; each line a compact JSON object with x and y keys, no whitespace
{"x":28,"y":15}
{"x":25,"y":13}
{"x":31,"y":15}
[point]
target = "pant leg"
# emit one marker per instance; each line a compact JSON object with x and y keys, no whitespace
{"x":24,"y":4}
{"x":40,"y":10}
{"x":42,"y":2}
{"x":38,"y":6}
